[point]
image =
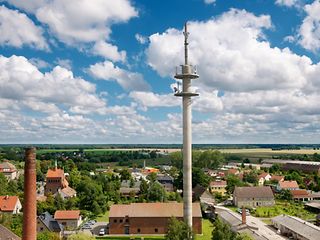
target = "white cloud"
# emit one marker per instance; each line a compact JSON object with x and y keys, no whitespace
{"x":28,"y":5}
{"x":288,"y":3}
{"x":126,"y":79}
{"x":309,"y":32}
{"x":84,"y":21}
{"x":209,"y":1}
{"x":18,"y":30}
{"x":108,"y":51}
{"x":22,"y":81}
{"x":141,"y":39}
{"x":39,"y":63}
{"x":65,"y":63}
{"x":236,"y":63}
{"x":150,"y":99}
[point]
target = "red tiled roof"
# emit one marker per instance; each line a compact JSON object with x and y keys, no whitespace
{"x":10,"y":168}
{"x":263,"y":175}
{"x":277,"y":178}
{"x":152,"y":210}
{"x":288,"y":184}
{"x":67,"y":214}
{"x":232,"y":171}
{"x":299,"y":193}
{"x":55,"y":173}
{"x":218,"y":183}
{"x":8,"y":203}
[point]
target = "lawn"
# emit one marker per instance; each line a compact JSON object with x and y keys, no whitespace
{"x":284,"y":207}
{"x":103,"y":217}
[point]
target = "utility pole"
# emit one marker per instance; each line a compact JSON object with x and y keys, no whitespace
{"x":187,"y":73}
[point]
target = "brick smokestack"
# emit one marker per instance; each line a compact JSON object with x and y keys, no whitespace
{"x":30,"y":201}
{"x":244,"y":215}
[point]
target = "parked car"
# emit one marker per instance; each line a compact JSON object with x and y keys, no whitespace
{"x":92,"y":222}
{"x":102,"y":232}
{"x":86,"y":226}
{"x":239,"y":210}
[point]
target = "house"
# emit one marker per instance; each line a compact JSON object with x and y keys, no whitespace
{"x":295,"y":228}
{"x":166,"y":181}
{"x":253,"y":196}
{"x":149,"y":218}
{"x":45,"y":222}
{"x":128,"y":187}
{"x":69,"y":219}
{"x":277,"y":178}
{"x":56,"y":183}
{"x":201,"y":194}
{"x":287,"y":185}
{"x":218,"y":187}
{"x":67,"y":192}
{"x":10,"y":204}
{"x":6,"y":234}
{"x":233,"y":171}
{"x":263,"y":177}
{"x":301,"y":195}
{"x":8,"y":170}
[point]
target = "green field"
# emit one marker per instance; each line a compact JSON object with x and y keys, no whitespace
{"x":283,"y":207}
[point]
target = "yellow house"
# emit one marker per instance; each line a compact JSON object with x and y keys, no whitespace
{"x":218,"y":186}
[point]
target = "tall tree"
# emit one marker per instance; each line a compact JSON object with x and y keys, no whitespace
{"x":178,"y":230}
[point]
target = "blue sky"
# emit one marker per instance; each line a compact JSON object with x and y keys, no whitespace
{"x":100,"y":71}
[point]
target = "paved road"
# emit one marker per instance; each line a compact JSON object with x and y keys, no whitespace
{"x":263,"y":229}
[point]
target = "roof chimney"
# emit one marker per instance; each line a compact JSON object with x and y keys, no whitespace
{"x":30,"y":204}
{"x":244,"y":216}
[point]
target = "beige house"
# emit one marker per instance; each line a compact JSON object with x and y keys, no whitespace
{"x":10,"y":204}
{"x":263,"y":177}
{"x":8,"y":170}
{"x":218,"y":187}
{"x":253,"y":196}
{"x":69,"y":219}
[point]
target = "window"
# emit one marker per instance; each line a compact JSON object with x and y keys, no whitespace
{"x":156,"y":230}
{"x":115,"y":220}
{"x":138,"y":230}
{"x":127,"y":220}
{"x":121,"y":220}
{"x":41,"y":229}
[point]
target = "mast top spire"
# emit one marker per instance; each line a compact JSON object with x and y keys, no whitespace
{"x":186,"y":35}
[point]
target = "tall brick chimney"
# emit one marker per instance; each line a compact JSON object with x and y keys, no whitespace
{"x":30,"y":201}
{"x":244,"y":215}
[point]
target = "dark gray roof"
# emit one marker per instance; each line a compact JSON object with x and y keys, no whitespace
{"x":50,"y":222}
{"x":299,"y":226}
{"x":126,"y":184}
{"x":6,"y":234}
{"x":164,"y":178}
{"x":253,"y":192}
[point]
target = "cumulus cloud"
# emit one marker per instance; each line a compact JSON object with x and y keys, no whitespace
{"x":245,"y":62}
{"x":22,"y":81}
{"x":84,"y":21}
{"x":288,"y":3}
{"x":18,"y":30}
{"x":141,"y":39}
{"x":209,"y":1}
{"x":309,"y":31}
{"x":127,"y":80}
{"x":108,"y":51}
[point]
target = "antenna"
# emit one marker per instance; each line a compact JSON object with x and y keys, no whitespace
{"x":186,"y":35}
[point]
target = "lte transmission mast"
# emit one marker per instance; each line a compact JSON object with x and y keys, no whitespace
{"x":187,"y":73}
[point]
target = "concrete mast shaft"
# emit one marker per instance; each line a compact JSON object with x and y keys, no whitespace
{"x":187,"y":155}
{"x":187,"y":137}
